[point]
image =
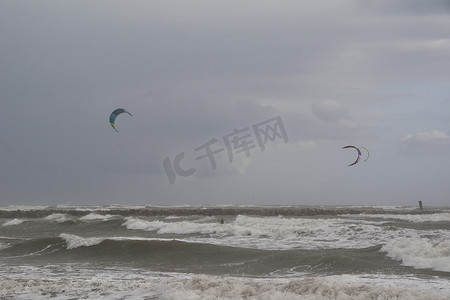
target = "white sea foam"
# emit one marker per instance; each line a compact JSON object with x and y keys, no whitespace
{"x":60,"y":218}
{"x":420,"y":253}
{"x":22,"y":207}
{"x":131,"y":285}
{"x":415,"y":218}
{"x":173,"y":217}
{"x":94,"y":216}
{"x":285,"y":233}
{"x":204,"y":219}
{"x":13,"y":222}
{"x":74,"y":241}
{"x":137,"y":224}
{"x":206,"y":287}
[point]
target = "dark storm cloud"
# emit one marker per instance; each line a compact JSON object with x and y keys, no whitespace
{"x":190,"y":71}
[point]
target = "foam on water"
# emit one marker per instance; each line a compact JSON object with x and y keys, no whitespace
{"x":129,"y":286}
{"x":74,"y":241}
{"x":383,"y":207}
{"x":94,"y":217}
{"x":277,"y":233}
{"x":22,"y":207}
{"x":173,"y":217}
{"x":60,"y":218}
{"x":204,"y":287}
{"x":93,"y":259}
{"x":13,"y":222}
{"x":420,"y":253}
{"x":416,"y":218}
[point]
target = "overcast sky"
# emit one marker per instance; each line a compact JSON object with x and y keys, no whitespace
{"x":373,"y":74}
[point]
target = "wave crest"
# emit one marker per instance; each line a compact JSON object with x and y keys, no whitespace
{"x":94,"y":217}
{"x":74,"y":241}
{"x":13,"y":222}
{"x":420,"y":253}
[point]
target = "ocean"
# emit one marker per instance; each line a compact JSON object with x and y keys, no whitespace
{"x":224,"y":252}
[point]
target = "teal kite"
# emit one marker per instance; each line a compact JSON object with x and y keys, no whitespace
{"x":114,"y":114}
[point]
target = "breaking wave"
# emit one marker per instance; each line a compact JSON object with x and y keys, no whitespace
{"x":94,"y":217}
{"x":13,"y":222}
{"x":204,"y":287}
{"x":416,"y":218}
{"x":223,"y":253}
{"x":60,"y":218}
{"x":278,"y":233}
{"x":170,"y":255}
{"x":74,"y":241}
{"x":420,"y":253}
{"x":211,"y":287}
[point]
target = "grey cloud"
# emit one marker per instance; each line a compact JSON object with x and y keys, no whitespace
{"x":435,"y":137}
{"x":426,"y":143}
{"x":399,"y":7}
{"x":305,"y":128}
{"x":328,"y":120}
{"x":197,"y":70}
{"x":330,"y":111}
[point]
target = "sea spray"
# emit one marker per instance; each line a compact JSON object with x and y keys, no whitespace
{"x":420,"y":253}
{"x":74,"y":241}
{"x":115,"y":252}
{"x":13,"y":222}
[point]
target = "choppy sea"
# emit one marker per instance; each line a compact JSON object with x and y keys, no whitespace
{"x":115,"y":252}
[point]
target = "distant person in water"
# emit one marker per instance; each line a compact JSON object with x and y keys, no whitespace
{"x":221,"y":221}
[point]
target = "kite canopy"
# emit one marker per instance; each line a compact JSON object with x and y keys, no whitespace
{"x":367,"y":157}
{"x":114,"y":114}
{"x":359,"y":154}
